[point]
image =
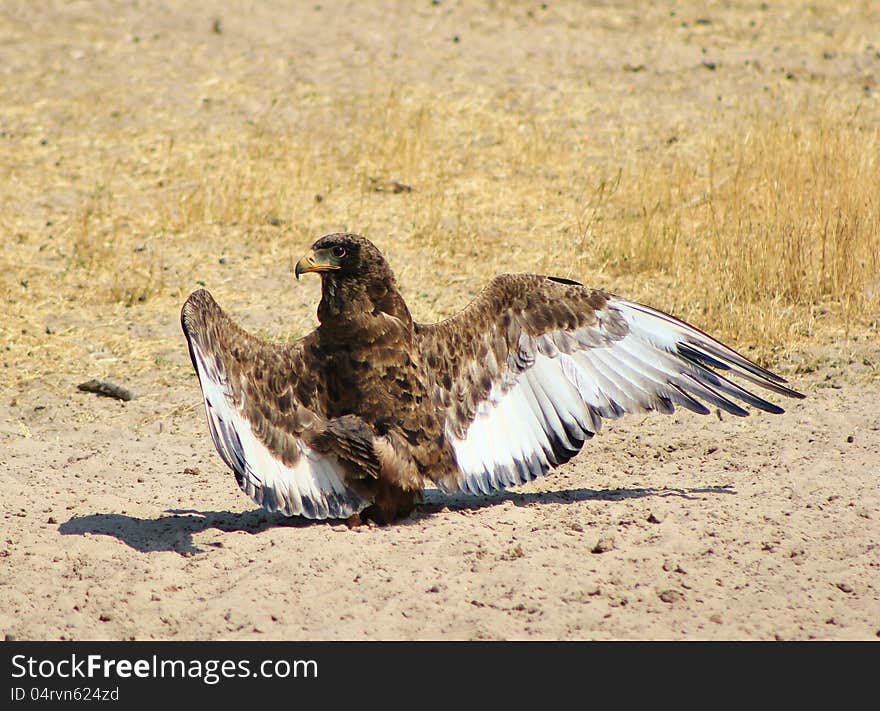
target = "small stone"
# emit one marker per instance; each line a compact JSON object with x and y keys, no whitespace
{"x":603,"y":545}
{"x":844,"y":587}
{"x":670,"y":596}
{"x":653,"y":519}
{"x":106,"y":389}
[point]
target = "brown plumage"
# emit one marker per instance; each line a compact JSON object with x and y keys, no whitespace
{"x":364,"y":412}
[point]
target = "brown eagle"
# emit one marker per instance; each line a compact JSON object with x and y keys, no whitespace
{"x":358,"y":416}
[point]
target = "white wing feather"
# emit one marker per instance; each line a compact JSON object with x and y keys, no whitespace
{"x":312,"y":487}
{"x":542,"y":417}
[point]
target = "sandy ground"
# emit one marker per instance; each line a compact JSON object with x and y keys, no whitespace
{"x":129,"y":528}
{"x":120,"y":522}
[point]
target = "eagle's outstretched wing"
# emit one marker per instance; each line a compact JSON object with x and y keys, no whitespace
{"x":285,"y":456}
{"x":526,"y":373}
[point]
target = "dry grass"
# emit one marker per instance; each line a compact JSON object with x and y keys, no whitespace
{"x":766,"y":232}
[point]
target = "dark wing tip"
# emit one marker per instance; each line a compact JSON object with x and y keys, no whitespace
{"x":563,"y":280}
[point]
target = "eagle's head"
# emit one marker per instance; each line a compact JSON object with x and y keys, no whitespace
{"x":342,"y":257}
{"x":355,"y":279}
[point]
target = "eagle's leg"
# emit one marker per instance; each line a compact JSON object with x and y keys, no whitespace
{"x":398,"y":488}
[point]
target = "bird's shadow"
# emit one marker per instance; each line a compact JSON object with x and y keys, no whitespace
{"x":435,"y":501}
{"x":174,"y":532}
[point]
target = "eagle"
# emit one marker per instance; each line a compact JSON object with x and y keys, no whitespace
{"x":355,"y":419}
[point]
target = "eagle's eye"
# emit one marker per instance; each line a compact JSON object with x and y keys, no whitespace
{"x":339,"y":251}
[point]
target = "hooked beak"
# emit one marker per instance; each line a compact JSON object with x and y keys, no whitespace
{"x":320,"y":260}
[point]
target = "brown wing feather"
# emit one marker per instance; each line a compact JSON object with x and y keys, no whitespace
{"x":260,"y":400}
{"x":483,"y":345}
{"x":525,"y":374}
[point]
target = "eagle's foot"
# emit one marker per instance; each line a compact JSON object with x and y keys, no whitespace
{"x":354,"y":520}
